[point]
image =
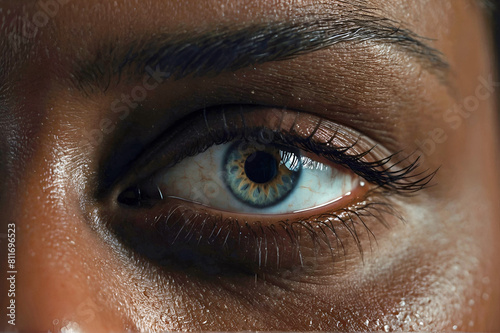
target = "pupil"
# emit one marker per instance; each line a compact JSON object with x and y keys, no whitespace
{"x":261,"y":167}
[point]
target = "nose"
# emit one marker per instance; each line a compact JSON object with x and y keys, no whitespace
{"x":54,"y":261}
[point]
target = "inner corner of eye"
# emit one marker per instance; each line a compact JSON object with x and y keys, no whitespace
{"x":250,"y":178}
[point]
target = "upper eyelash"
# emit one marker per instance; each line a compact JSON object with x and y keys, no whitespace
{"x":392,"y":174}
{"x":386,"y":175}
{"x":383,"y":172}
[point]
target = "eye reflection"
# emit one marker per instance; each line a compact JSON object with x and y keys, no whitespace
{"x":254,"y":178}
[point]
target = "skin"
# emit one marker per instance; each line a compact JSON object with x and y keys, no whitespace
{"x":436,"y":271}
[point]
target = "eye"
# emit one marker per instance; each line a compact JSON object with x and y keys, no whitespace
{"x":251,"y":177}
{"x":240,"y":186}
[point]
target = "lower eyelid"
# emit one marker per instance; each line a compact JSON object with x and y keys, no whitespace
{"x":183,"y":231}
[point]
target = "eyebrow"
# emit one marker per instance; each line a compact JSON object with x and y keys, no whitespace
{"x":208,"y":53}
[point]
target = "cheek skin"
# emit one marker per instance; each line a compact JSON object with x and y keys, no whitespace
{"x":440,"y":279}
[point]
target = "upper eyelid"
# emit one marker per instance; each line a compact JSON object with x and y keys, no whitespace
{"x":387,"y":172}
{"x":359,"y":101}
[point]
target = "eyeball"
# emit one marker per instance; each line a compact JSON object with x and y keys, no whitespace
{"x":253,"y":178}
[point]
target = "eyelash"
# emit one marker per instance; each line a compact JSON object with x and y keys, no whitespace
{"x":384,"y":173}
{"x":389,"y":177}
{"x":317,"y":228}
{"x":381,"y":172}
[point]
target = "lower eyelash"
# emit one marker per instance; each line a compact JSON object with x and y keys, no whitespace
{"x":214,"y":244}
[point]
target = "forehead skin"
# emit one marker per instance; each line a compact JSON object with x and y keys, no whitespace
{"x":435,"y":273}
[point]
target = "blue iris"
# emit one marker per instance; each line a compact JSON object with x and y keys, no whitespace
{"x":261,"y":176}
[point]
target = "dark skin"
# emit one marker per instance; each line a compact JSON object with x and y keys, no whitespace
{"x":435,"y":271}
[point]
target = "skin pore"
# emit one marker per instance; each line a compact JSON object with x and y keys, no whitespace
{"x":432,"y":266}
